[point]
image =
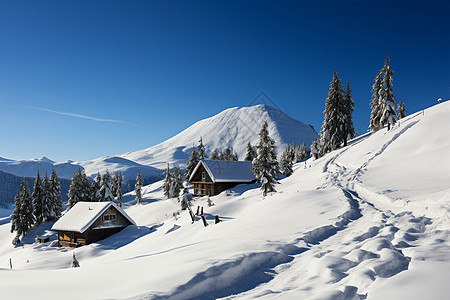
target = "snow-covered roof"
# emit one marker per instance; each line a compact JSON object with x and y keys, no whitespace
{"x":227,"y":171}
{"x":83,"y":214}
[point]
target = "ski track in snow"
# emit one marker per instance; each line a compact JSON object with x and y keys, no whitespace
{"x":338,"y":248}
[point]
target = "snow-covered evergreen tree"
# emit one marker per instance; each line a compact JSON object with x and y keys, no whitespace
{"x":138,"y":187}
{"x":201,"y":150}
{"x":214,"y":155}
{"x":265,"y":165}
{"x":113,"y":187}
{"x":317,"y":148}
{"x":286,"y":161}
{"x":56,"y":196}
{"x":332,"y":134}
{"x":401,"y":110}
{"x":349,"y":106}
{"x":303,"y":153}
{"x":186,"y":199}
{"x":118,"y":184}
{"x":85,"y":187}
{"x":176,"y":182}
{"x":47,"y":200}
{"x":22,"y":217}
{"x":388,"y":114}
{"x":74,"y":190}
{"x":173,"y":182}
{"x":250,"y":155}
{"x":95,"y":188}
{"x":192,"y":163}
{"x":79,"y":189}
{"x":106,"y":188}
{"x":167,"y":182}
{"x":227,"y":154}
{"x":38,"y":195}
{"x":375,"y":115}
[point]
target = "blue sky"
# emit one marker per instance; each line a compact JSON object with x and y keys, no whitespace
{"x":84,"y":79}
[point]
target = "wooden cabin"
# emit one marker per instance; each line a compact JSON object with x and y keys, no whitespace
{"x":211,"y":177}
{"x":89,"y":222}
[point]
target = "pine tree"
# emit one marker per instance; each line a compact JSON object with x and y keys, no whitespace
{"x":250,"y":155}
{"x":317,"y":148}
{"x":167,"y":183}
{"x":265,"y":165}
{"x":401,"y":110}
{"x":332,"y":134}
{"x":176,"y":182}
{"x":375,"y":115}
{"x":85,"y":188}
{"x":118,"y":184}
{"x":138,"y":187}
{"x":388,"y":114}
{"x":186,"y":199}
{"x":113,"y":187}
{"x":192,"y":163}
{"x":286,"y":161}
{"x":201,"y":150}
{"x":349,"y":106}
{"x":303,"y":152}
{"x":106,"y":188}
{"x":214,"y":155}
{"x":95,"y":188}
{"x":38,"y":195}
{"x":22,"y":217}
{"x":56,"y":196}
{"x":47,"y":200}
{"x":227,"y":154}
{"x":79,"y":189}
{"x":74,"y":190}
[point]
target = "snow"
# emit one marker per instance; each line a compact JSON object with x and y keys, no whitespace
{"x":368,"y":221}
{"x":83,"y":214}
{"x":112,"y":164}
{"x":227,"y":171}
{"x":232,"y":128}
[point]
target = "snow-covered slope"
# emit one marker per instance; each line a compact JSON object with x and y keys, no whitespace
{"x":368,"y":221}
{"x":232,"y":128}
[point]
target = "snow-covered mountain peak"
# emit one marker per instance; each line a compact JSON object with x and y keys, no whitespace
{"x":232,"y":128}
{"x":44,"y":159}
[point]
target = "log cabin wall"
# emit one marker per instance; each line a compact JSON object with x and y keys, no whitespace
{"x":203,"y":184}
{"x":71,"y":239}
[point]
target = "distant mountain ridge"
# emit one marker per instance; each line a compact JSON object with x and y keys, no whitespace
{"x":28,"y":168}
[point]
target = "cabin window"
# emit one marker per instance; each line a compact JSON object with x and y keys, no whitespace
{"x":109,"y":217}
{"x":203,"y":176}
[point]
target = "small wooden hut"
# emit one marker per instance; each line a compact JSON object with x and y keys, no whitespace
{"x":88,"y":222}
{"x":211,"y":177}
